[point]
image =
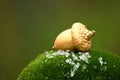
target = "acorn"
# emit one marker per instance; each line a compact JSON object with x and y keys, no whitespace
{"x":78,"y":37}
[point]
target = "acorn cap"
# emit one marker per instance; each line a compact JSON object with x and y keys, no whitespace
{"x":81,"y":37}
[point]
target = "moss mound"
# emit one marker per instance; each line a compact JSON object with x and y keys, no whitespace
{"x":65,"y":65}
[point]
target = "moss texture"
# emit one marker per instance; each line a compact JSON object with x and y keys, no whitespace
{"x":98,"y":65}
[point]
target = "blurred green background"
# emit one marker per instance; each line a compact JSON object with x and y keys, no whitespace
{"x":29,"y":27}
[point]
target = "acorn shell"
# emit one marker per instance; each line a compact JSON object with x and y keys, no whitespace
{"x":64,"y":41}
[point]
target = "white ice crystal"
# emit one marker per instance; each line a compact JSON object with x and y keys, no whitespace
{"x":72,"y":73}
{"x":59,"y":52}
{"x":101,"y":63}
{"x":74,"y":56}
{"x":100,"y":60}
{"x":85,"y":57}
{"x":70,"y":61}
{"x":75,"y":67}
{"x":79,"y":53}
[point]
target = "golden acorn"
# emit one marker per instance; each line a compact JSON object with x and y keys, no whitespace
{"x":77,"y":38}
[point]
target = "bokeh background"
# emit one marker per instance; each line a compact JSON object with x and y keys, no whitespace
{"x":29,"y":27}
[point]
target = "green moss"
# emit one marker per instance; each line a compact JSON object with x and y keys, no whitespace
{"x":56,"y":68}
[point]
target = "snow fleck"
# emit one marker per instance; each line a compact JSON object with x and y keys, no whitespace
{"x":70,"y":61}
{"x":72,"y":73}
{"x":102,"y":63}
{"x":100,"y":60}
{"x":75,"y":67}
{"x":87,"y":54}
{"x":79,"y":53}
{"x":59,"y":52}
{"x":84,"y":57}
{"x":74,"y":56}
{"x":66,"y":54}
{"x":49,"y":56}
